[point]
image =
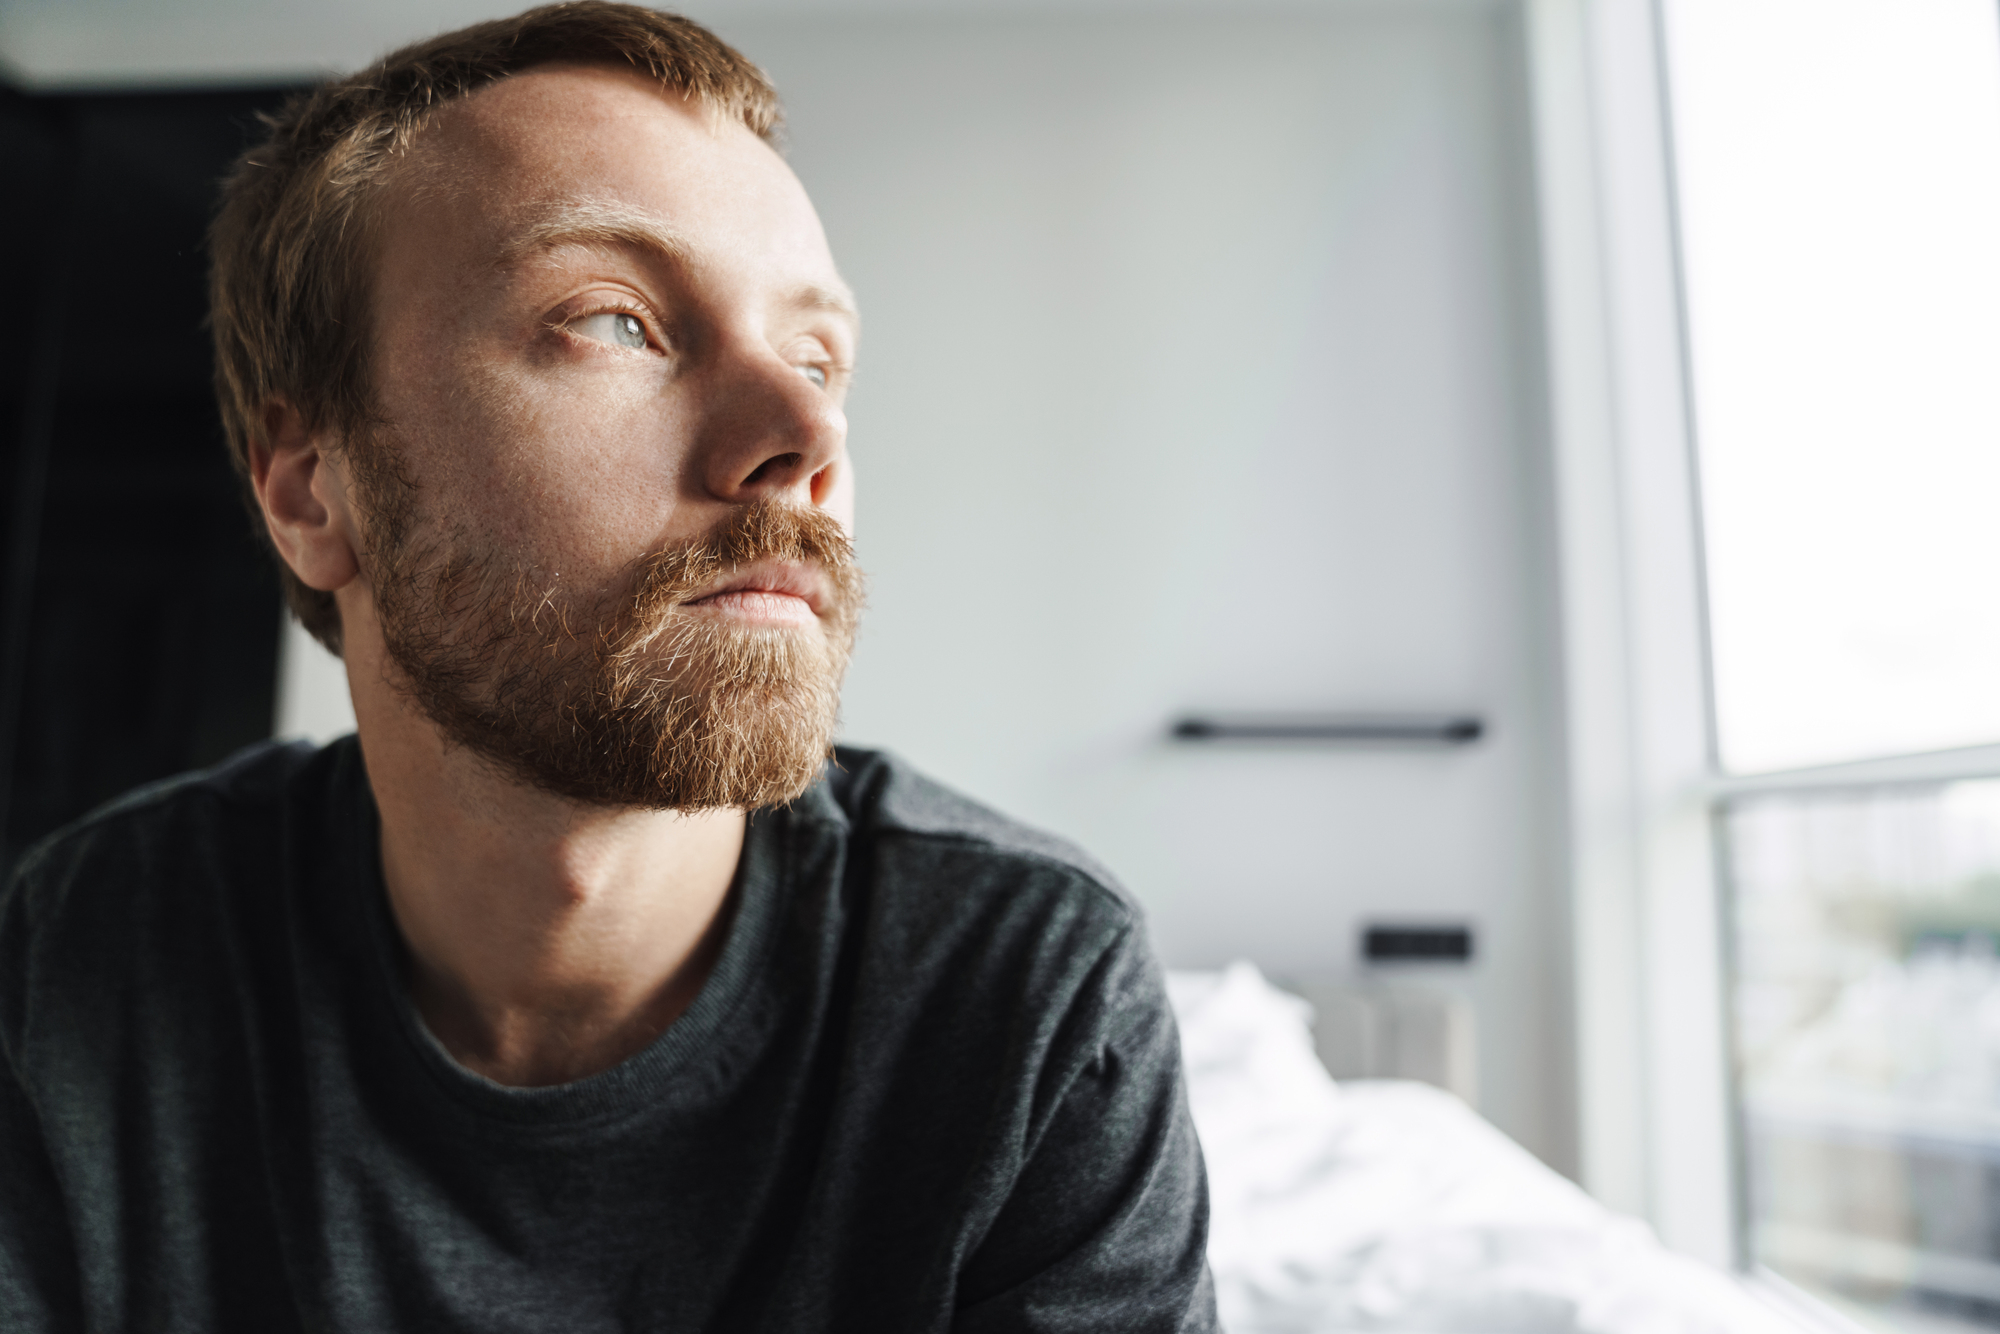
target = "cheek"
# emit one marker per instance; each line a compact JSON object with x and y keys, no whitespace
{"x":584,"y":472}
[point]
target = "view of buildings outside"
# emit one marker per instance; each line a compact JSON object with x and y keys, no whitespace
{"x":1867,"y":1015}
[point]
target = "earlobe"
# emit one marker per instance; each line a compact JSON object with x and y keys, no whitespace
{"x":304,"y":499}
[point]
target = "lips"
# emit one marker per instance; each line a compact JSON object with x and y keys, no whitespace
{"x":767,"y":587}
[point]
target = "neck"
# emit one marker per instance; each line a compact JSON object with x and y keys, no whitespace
{"x":549,"y":940}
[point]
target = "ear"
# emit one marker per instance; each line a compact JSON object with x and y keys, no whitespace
{"x":304,"y":498}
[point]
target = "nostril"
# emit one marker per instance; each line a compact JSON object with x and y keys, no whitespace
{"x":771,"y":467}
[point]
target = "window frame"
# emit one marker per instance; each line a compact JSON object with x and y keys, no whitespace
{"x":1654,"y":1113}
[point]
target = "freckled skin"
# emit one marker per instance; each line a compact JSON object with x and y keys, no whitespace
{"x":551,"y":939}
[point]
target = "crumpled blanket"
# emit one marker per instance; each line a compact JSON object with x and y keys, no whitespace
{"x":1389,"y":1205}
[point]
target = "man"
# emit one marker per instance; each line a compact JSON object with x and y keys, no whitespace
{"x":582,"y":991}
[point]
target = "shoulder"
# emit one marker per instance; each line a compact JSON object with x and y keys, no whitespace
{"x":981,"y":935}
{"x":190,"y":805}
{"x":148,"y":855}
{"x":885,"y":800}
{"x":978,"y":921}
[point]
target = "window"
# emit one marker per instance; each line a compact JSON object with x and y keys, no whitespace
{"x":1837,"y":169}
{"x":1867,"y":1015}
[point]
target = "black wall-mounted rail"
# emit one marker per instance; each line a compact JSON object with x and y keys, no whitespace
{"x":1417,"y":944}
{"x":1439,"y":728}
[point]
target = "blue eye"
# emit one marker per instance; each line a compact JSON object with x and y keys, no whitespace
{"x":616,"y":327}
{"x":817,"y":374}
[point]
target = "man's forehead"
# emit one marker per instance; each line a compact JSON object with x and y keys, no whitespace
{"x":556,"y":108}
{"x":592,"y":155}
{"x":568,"y":130}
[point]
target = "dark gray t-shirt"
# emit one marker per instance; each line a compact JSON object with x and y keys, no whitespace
{"x":933,"y":1083}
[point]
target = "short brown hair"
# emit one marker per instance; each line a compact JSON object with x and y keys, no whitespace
{"x":288,"y":281}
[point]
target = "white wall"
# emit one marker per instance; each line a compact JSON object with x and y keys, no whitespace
{"x":1199,"y":373}
{"x":1196,"y":376}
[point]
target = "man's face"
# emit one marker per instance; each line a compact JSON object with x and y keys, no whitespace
{"x":605,"y":505}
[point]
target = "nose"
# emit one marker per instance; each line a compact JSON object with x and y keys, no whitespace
{"x":772,"y":433}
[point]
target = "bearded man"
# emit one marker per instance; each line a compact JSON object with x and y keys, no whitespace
{"x":586,"y":988}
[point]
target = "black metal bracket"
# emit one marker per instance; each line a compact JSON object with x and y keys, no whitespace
{"x":1445,"y":728}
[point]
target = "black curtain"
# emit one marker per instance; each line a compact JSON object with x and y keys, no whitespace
{"x":139,"y":615}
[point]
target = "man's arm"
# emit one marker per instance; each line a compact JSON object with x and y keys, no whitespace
{"x":38,"y":1279}
{"x":1107,"y":1225}
{"x":38,"y":1289}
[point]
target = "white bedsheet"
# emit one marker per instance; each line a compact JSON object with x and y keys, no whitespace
{"x":1384,"y":1205}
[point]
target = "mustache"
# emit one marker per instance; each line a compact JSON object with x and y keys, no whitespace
{"x":669,"y":578}
{"x":764,"y":531}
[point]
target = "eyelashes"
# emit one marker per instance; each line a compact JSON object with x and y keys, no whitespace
{"x":619,"y":328}
{"x":624,"y":327}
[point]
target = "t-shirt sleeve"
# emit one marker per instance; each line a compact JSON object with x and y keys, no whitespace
{"x":1107,"y":1224}
{"x":37,"y":1271}
{"x":38,"y":1280}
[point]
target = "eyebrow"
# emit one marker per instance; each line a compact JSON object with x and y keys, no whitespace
{"x":839,"y":300}
{"x":593,"y":222}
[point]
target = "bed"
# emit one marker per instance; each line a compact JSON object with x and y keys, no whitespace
{"x":1391,"y":1205}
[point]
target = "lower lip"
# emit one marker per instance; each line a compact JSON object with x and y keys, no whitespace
{"x":760,"y":607}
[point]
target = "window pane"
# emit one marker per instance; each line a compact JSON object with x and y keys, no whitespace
{"x":1867,"y":1018}
{"x":1838,"y":166}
